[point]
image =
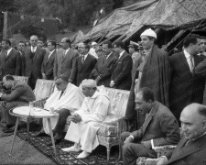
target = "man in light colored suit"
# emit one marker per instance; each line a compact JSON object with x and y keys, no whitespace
{"x":48,"y":63}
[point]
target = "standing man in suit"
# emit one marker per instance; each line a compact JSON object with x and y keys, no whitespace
{"x":186,"y":86}
{"x":9,"y":60}
{"x":58,"y":60}
{"x":122,"y":73}
{"x":21,"y":49}
{"x":159,"y":128}
{"x":103,"y":69}
{"x":84,"y":64}
{"x":67,"y":60}
{"x":33,"y":61}
{"x":48,"y":63}
{"x":192,"y":147}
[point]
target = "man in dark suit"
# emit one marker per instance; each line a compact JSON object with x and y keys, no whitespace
{"x":192,"y":147}
{"x":9,"y":60}
{"x":84,"y":63}
{"x":48,"y":62}
{"x":21,"y":49}
{"x":103,"y":69}
{"x":33,"y":61}
{"x":67,"y":60}
{"x":122,"y":74}
{"x":21,"y":94}
{"x":159,"y":128}
{"x":186,"y":86}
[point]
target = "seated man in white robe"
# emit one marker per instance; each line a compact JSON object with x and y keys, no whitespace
{"x":86,"y":121}
{"x":65,"y":99}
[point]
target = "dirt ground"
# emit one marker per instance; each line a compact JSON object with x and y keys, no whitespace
{"x":23,"y":153}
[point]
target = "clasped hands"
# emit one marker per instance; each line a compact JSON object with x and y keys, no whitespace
{"x":130,"y":139}
{"x":76,"y":118}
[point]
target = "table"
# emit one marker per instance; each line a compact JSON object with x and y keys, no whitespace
{"x":32,"y":112}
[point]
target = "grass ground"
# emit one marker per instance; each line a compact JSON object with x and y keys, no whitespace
{"x":23,"y":153}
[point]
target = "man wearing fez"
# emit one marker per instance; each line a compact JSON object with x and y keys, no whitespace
{"x":85,"y":122}
{"x":154,"y":75}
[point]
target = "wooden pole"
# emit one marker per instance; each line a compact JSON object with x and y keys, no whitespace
{"x":5,"y":26}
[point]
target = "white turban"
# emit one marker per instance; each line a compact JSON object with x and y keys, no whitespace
{"x":149,"y":33}
{"x":89,"y":83}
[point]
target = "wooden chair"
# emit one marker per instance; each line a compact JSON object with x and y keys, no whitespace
{"x":109,"y":133}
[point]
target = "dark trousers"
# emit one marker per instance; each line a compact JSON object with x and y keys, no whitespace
{"x":131,"y":151}
{"x":63,"y":114}
{"x":5,"y":107}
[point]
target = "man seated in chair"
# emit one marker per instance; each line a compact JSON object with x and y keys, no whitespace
{"x":191,"y":149}
{"x":159,"y":128}
{"x":85,"y":122}
{"x":65,"y":99}
{"x":20,"y":94}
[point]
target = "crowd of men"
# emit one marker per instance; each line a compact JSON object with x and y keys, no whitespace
{"x":161,"y":86}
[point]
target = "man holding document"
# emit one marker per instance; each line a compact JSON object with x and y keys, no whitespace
{"x":65,"y":99}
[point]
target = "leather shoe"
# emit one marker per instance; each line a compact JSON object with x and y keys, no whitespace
{"x":40,"y":133}
{"x":56,"y":141}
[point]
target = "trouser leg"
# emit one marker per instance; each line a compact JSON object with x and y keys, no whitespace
{"x":131,"y":151}
{"x":59,"y":128}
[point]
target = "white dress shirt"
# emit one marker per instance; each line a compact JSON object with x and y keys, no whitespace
{"x":190,"y":60}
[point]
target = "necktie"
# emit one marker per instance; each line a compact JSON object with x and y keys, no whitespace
{"x":191,"y":63}
{"x":82,"y":59}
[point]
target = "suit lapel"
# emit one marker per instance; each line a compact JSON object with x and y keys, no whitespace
{"x":184,"y":60}
{"x":149,"y":118}
{"x":7,"y":56}
{"x":183,"y":151}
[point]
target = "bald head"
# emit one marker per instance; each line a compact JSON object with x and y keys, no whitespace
{"x":33,"y":40}
{"x":193,"y":120}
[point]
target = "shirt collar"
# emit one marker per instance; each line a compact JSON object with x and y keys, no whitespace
{"x":66,"y":51}
{"x":187,"y":55}
{"x":33,"y":49}
{"x":8,"y":51}
{"x":121,"y":54}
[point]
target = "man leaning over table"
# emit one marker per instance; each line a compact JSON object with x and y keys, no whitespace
{"x":85,"y":122}
{"x":65,"y":99}
{"x":20,"y":94}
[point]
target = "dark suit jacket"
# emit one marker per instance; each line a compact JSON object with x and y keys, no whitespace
{"x":185,"y":87}
{"x":67,"y":67}
{"x":121,"y":74}
{"x":10,"y":64}
{"x":48,"y":65}
{"x":21,"y":92}
{"x":33,"y":64}
{"x":57,"y":62}
{"x":83,"y":70}
{"x":104,"y":68}
{"x":160,"y":125}
{"x":192,"y":154}
{"x":22,"y":61}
